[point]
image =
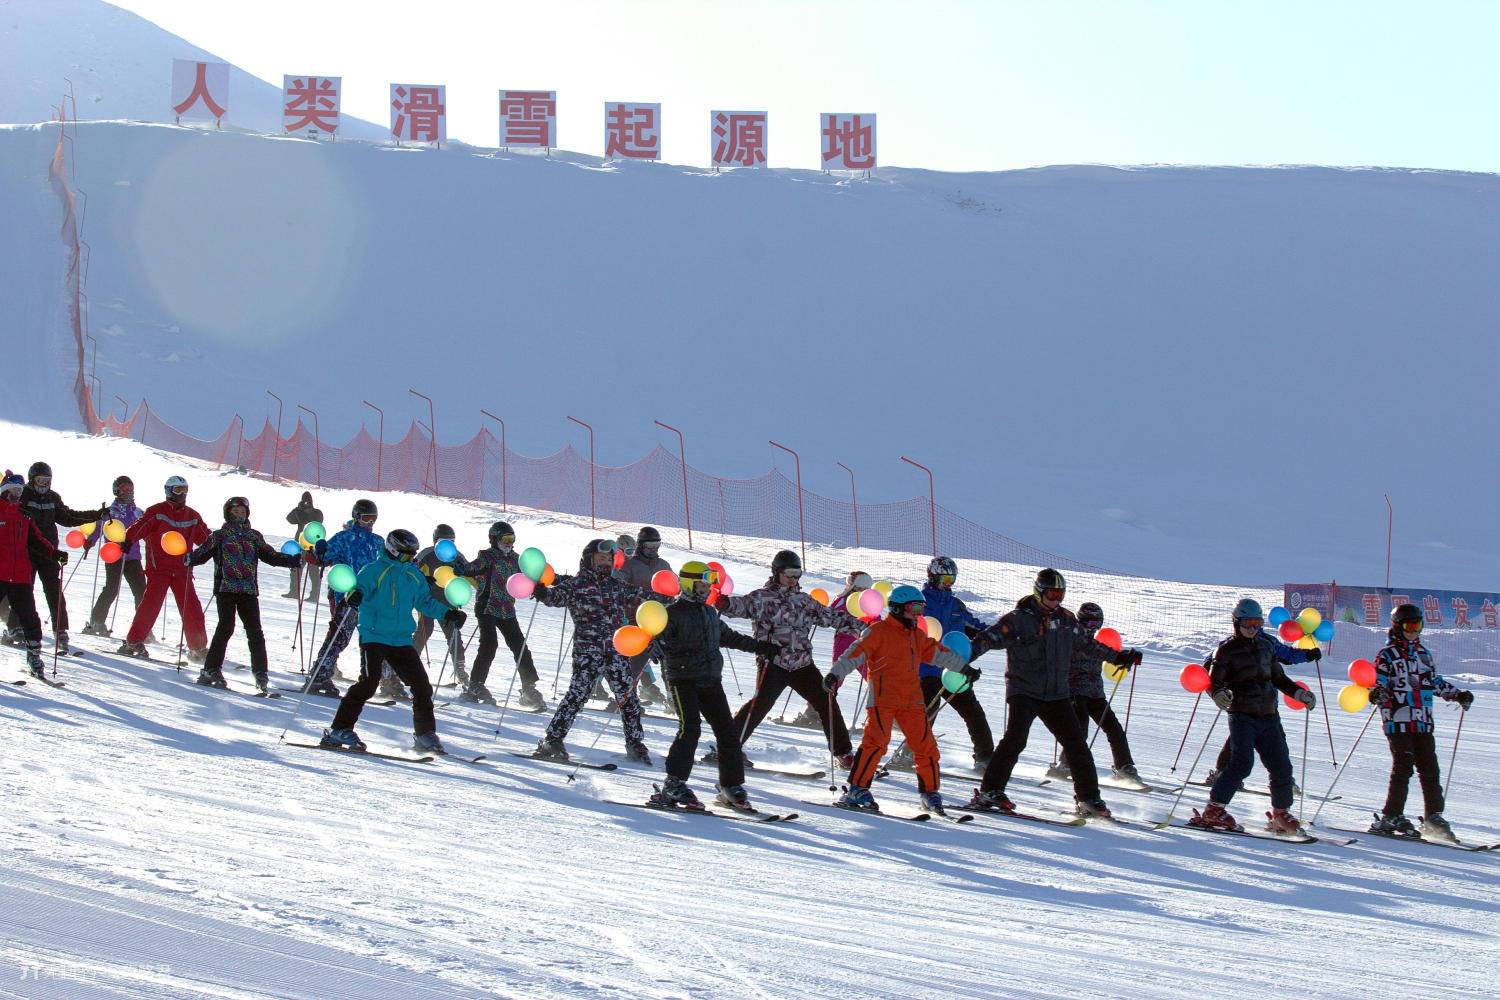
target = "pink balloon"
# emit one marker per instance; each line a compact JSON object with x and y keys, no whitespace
{"x":519,"y":585}
{"x":1362,"y":672}
{"x":727,"y":586}
{"x":871,"y":602}
{"x":1194,"y":679}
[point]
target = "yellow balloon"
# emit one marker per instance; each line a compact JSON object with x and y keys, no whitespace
{"x":885,"y":588}
{"x":1306,"y":642}
{"x":1114,"y":672}
{"x":651,"y":616}
{"x":851,"y":604}
{"x":442,"y":575}
{"x":88,"y":529}
{"x":1353,"y":698}
{"x":1309,"y":619}
{"x":934,"y":628}
{"x":114,"y":531}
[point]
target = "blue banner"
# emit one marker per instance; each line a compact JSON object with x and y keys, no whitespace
{"x":1371,"y":606}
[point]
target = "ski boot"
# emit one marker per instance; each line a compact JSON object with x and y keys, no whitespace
{"x":1091,"y":808}
{"x":341,"y":739}
{"x":636,"y":753}
{"x":902,"y":760}
{"x":96,"y":628}
{"x":476,"y":694}
{"x":531,"y":699}
{"x":197,"y":655}
{"x":933,"y":802}
{"x":1434,"y":827}
{"x":135,"y":649}
{"x":649,"y":693}
{"x":734,"y":797}
{"x":212,"y":678}
{"x":551,"y":748}
{"x":1060,"y":771}
{"x":845,"y":761}
{"x":982,"y":759}
{"x":392,"y":688}
{"x":1213,"y":777}
{"x":991,"y":801}
{"x":34,"y":663}
{"x":12,"y":637}
{"x":60,"y":643}
{"x":322,"y":687}
{"x":808,"y":718}
{"x":858,"y":797}
{"x":459,"y":672}
{"x":674,"y":793}
{"x":1128,"y":776}
{"x":1214,"y":817}
{"x":1394,"y":826}
{"x":1282,"y":823}
{"x":427,"y":743}
{"x":263,"y":684}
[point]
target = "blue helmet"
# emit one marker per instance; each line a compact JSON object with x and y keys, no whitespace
{"x":1247,"y":608}
{"x":905,"y":594}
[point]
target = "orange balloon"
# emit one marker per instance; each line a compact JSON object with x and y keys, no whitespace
{"x":820,"y":595}
{"x":548,"y":575}
{"x":173,"y":544}
{"x":631,"y":639}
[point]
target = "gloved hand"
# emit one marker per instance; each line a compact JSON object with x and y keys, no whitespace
{"x":309,"y":557}
{"x":830,"y":682}
{"x":103,"y":514}
{"x":353,"y":598}
{"x":766,"y":648}
{"x":971,"y":672}
{"x":455,"y":617}
{"x":1380,"y":697}
{"x":1315,"y":654}
{"x":1464,"y":699}
{"x":1223,"y":698}
{"x":187,"y":559}
{"x":62,"y":558}
{"x":1129,"y":658}
{"x":1308,"y":699}
{"x":539,"y":591}
{"x":320,"y":547}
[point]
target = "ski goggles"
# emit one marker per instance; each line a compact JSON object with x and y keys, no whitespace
{"x":365,"y":518}
{"x":793,"y":572}
{"x":234,"y":502}
{"x":1251,"y":622}
{"x":605,"y":546}
{"x":177,"y":491}
{"x":946,"y":579}
{"x":1053,"y":594}
{"x":1412,"y":627}
{"x":42,"y":480}
{"x":648,"y":549}
{"x":507,"y":539}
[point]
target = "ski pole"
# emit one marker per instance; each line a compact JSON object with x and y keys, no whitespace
{"x":1317,"y":665}
{"x":303,"y":697}
{"x":1186,"y":731}
{"x":181,"y":633}
{"x":1129,"y":697}
{"x":1302,"y":799}
{"x":785,"y":704}
{"x":750,"y":706}
{"x":1099,"y":724}
{"x":508,"y":689}
{"x":1348,"y":756}
{"x":738,"y":691}
{"x":95,"y":595}
{"x":933,"y":707}
{"x":1188,"y":780}
{"x":602,"y":730}
{"x":1451,"y":758}
{"x":561,"y":637}
{"x":620,"y":700}
{"x":75,"y":570}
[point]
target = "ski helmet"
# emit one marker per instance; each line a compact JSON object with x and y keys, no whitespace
{"x":176,"y":488}
{"x":122,"y":481}
{"x":1048,"y":579}
{"x":12,"y":484}
{"x":1403,"y":615}
{"x":901,"y":599}
{"x":441,"y":532}
{"x":626,"y":544}
{"x":597,"y":546}
{"x":364,"y":508}
{"x":401,"y":545}
{"x":38,"y":469}
{"x":233,"y":502}
{"x":1247,"y":608}
{"x":499,"y":532}
{"x":648,"y":536}
{"x":786,"y":561}
{"x":1090,"y":615}
{"x":695,"y":575}
{"x":940,"y":567}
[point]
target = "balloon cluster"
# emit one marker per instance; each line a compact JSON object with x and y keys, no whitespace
{"x":535,"y":569}
{"x":1305,"y":631}
{"x":114,"y":533}
{"x":1356,"y":695}
{"x":1111,"y":638}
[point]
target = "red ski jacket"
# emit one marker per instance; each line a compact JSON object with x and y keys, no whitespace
{"x":159,"y":519}
{"x":16,"y":530}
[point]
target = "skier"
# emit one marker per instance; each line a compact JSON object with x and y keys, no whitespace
{"x":236,"y":550}
{"x":47,"y":510}
{"x":599,"y":604}
{"x":785,"y":615}
{"x":1405,"y":681}
{"x":128,"y":566}
{"x":1244,"y":675}
{"x":954,"y":616}
{"x":1086,"y":683}
{"x":356,"y":546}
{"x":429,"y":563}
{"x":388,"y":589}
{"x":497,"y":613}
{"x":642,"y":562}
{"x":693,"y":668}
{"x":1040,"y":638}
{"x":19,"y":540}
{"x":166,"y":572}
{"x":300,"y":517}
{"x":894,"y":651}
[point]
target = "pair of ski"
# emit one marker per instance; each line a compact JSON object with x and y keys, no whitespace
{"x":1266,"y":833}
{"x":372,"y":703}
{"x":748,"y":814}
{"x":911,"y":816}
{"x":21,"y":682}
{"x":378,"y":755}
{"x":1456,"y":845}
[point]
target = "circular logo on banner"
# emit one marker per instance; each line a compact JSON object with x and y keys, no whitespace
{"x":1296,"y":599}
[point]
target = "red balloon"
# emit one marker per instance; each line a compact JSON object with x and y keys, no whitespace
{"x":1292,"y":703}
{"x":75,"y":539}
{"x":1362,"y":672}
{"x":665,"y":583}
{"x":109,"y":552}
{"x":1194,"y":679}
{"x":619,"y":559}
{"x":1109,"y":637}
{"x":1290,"y":630}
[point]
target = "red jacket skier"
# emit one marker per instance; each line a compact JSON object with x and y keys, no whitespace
{"x":168,"y":572}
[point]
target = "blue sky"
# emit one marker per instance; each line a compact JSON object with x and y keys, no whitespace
{"x":956,"y":85}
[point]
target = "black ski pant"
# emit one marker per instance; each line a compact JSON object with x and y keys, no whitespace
{"x":403,"y":660}
{"x":22,"y":600}
{"x":1098,"y":710}
{"x":1060,"y":720}
{"x":515,"y":641}
{"x":247,"y":606}
{"x":704,"y":697}
{"x":968,"y":708}
{"x":1413,"y":751}
{"x":130,"y":570}
{"x":50,"y":573}
{"x":1250,"y":735}
{"x":808,"y":683}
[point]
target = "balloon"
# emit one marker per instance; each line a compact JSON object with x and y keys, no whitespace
{"x":1114,"y":671}
{"x":955,"y":682}
{"x":1353,"y":698}
{"x":114,"y":531}
{"x":665,"y":583}
{"x":75,"y":539}
{"x":532,"y":562}
{"x":445,"y":550}
{"x":1277,"y":616}
{"x":442,"y":575}
{"x":290,"y":547}
{"x":934,"y":627}
{"x":341,"y":579}
{"x":726,"y":585}
{"x":885,"y":588}
{"x":851,"y":604}
{"x":955,"y":641}
{"x":1290,"y":631}
{"x":548,"y":575}
{"x":619,"y":559}
{"x":314,"y":532}
{"x":458,"y":591}
{"x":1294,"y":705}
{"x":631,"y":640}
{"x":820,"y":595}
{"x":1362,"y":672}
{"x":1306,"y":642}
{"x":1324,"y":631}
{"x":88,"y":529}
{"x":871,"y":602}
{"x":173,"y":544}
{"x":110,"y":552}
{"x":651,"y":616}
{"x":1194,"y":679}
{"x":1309,"y":619}
{"x":519,"y":585}
{"x":1110,"y":638}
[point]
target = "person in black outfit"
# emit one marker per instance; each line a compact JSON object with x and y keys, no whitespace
{"x":47,"y":510}
{"x":300,"y":517}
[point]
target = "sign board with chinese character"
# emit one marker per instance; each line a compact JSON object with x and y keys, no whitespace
{"x":200,"y":90}
{"x":528,"y":118}
{"x":1371,"y":606}
{"x":632,"y":131}
{"x":848,"y":142}
{"x":737,"y":138}
{"x":419,"y":113}
{"x":310,"y":105}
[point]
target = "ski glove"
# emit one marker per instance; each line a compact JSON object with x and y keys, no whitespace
{"x":62,"y":558}
{"x":767,"y":649}
{"x":455,"y":617}
{"x":1223,"y":698}
{"x":539,"y":591}
{"x":1315,"y":654}
{"x":972,"y":673}
{"x":353,"y":598}
{"x":830,"y":682}
{"x":1307,"y":698}
{"x":1464,"y":699}
{"x":1131,"y":658}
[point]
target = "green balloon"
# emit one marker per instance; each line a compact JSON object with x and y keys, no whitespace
{"x":458,"y":592}
{"x":955,"y":682}
{"x":533,"y":564}
{"x":341,"y":579}
{"x":314,"y":532}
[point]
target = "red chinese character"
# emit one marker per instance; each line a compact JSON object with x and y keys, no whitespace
{"x":316,"y":101}
{"x":1488,"y":615}
{"x":1371,"y":604}
{"x":420,"y":117}
{"x":630,"y":130}
{"x":1460,"y":613}
{"x":1432,"y":611}
{"x":527,"y":116}
{"x":200,"y":89}
{"x":848,"y":139}
{"x":742,"y":138}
